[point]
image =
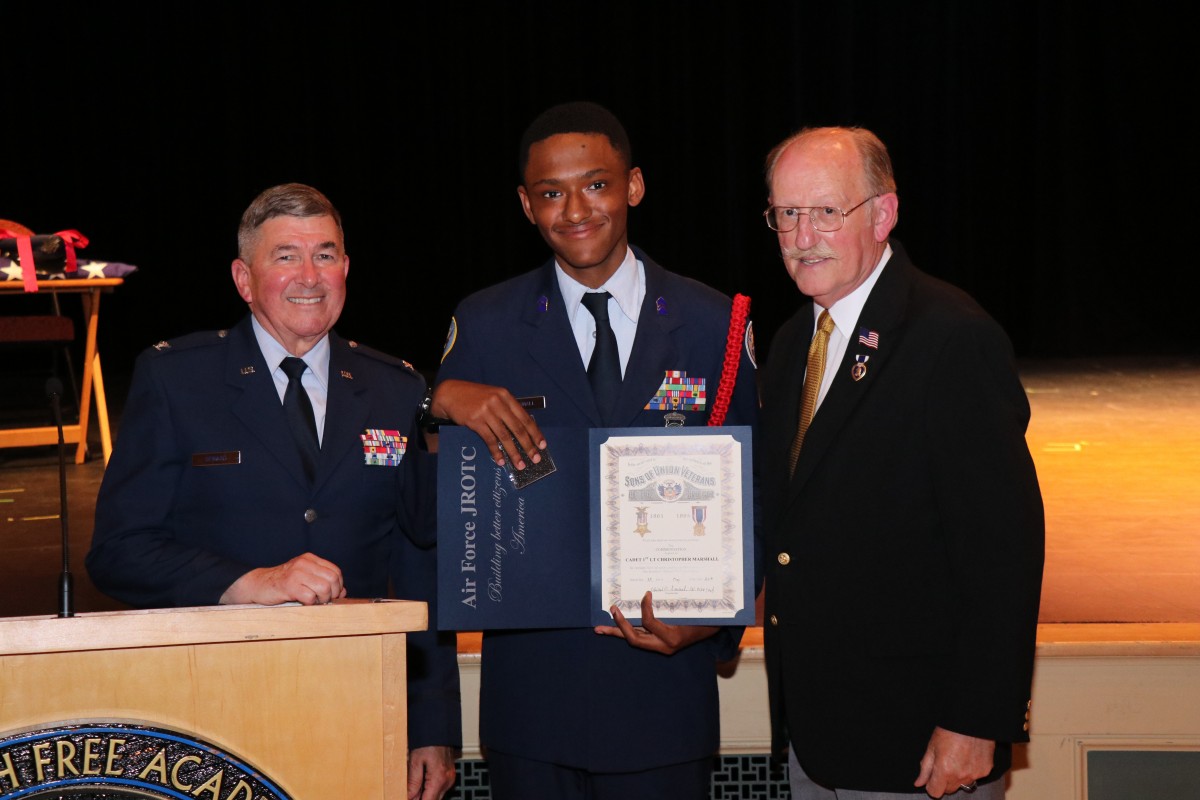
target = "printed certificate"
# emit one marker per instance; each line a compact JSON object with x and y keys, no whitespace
{"x":671,"y":515}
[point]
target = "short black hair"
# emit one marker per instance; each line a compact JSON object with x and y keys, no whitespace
{"x":580,"y":116}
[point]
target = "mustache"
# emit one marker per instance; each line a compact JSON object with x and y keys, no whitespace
{"x":797,"y":253}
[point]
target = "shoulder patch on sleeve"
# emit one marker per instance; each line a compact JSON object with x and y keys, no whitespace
{"x":749,"y":341}
{"x":451,"y":338}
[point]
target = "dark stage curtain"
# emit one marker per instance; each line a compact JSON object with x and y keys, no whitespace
{"x":1043,"y":149}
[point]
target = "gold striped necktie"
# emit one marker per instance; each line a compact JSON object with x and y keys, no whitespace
{"x":812,"y":384}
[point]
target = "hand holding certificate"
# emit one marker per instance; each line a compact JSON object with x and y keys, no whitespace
{"x":653,"y":634}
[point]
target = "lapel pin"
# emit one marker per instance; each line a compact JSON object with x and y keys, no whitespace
{"x":346,"y":374}
{"x":868,"y":337}
{"x":660,"y":305}
{"x":859,"y":370}
{"x":543,"y":304}
{"x":247,"y":370}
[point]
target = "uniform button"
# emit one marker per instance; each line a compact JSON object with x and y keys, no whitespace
{"x":310,"y":515}
{"x":784,"y":559}
{"x":774,"y":620}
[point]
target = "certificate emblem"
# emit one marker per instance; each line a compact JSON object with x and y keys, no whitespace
{"x":699,"y":515}
{"x":669,"y":490}
{"x":643,"y":520}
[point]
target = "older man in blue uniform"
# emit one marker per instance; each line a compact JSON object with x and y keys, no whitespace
{"x":275,"y":462}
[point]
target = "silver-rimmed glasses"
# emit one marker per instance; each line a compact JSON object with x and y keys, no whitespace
{"x":784,"y":219}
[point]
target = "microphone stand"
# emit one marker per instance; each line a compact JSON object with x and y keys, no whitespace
{"x":66,"y":602}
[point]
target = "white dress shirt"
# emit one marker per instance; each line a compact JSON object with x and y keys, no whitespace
{"x":315,"y":379}
{"x":845,"y":313}
{"x":628,"y":289}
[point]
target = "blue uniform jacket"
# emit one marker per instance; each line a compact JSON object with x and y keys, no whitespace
{"x":172,"y":533}
{"x":570,"y":696}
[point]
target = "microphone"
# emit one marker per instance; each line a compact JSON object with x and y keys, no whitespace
{"x":66,"y":602}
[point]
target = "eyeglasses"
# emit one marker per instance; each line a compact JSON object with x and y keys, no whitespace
{"x":826,"y":219}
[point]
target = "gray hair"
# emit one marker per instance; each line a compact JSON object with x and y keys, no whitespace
{"x":286,"y":199}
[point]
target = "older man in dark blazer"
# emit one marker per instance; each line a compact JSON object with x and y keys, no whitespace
{"x":904,"y":519}
{"x":214,"y":496}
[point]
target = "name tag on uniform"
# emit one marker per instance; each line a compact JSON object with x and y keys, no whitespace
{"x":225,"y":459}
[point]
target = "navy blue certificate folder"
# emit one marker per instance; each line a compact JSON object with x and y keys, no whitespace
{"x":549,"y":555}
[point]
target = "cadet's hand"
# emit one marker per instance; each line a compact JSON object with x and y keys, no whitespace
{"x":654,"y":635}
{"x":306,"y":579}
{"x":430,"y":772}
{"x":494,"y":414}
{"x":953,"y":760}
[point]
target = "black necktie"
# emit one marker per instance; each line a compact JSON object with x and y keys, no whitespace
{"x":604,"y":370}
{"x":299,"y":412}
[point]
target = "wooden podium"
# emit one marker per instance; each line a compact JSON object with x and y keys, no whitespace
{"x":313,"y":697}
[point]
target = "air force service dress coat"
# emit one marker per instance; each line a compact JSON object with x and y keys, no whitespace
{"x":570,"y":696}
{"x":904,"y":558}
{"x":205,"y":484}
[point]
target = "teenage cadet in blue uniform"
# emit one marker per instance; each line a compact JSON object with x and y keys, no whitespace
{"x":207,"y":500}
{"x":613,"y":712}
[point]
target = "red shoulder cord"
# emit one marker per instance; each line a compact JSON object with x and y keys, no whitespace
{"x":734,"y":343}
{"x":71,"y":239}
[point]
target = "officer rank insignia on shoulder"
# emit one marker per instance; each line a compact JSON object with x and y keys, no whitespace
{"x":190,"y":340}
{"x":364,"y":350}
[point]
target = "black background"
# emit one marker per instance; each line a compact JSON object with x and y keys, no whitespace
{"x":1044,"y":152}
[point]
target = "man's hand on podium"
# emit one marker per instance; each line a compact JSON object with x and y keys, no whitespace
{"x":306,"y":579}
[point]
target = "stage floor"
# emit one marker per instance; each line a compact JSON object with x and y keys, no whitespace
{"x":1117,"y":448}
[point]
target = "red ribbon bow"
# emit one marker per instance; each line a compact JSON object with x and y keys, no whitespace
{"x":71,"y":239}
